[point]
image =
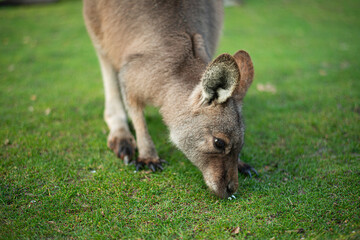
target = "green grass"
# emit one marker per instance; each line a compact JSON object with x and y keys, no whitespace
{"x":58,"y":179}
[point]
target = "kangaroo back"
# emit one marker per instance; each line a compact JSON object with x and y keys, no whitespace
{"x":123,"y":28}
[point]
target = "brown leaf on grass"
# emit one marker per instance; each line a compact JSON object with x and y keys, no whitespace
{"x":33,"y":97}
{"x":26,"y":40}
{"x":47,"y":111}
{"x":344,"y":46}
{"x":322,"y":72}
{"x":300,"y":230}
{"x":145,"y":178}
{"x":235,"y":230}
{"x":85,"y":206}
{"x":301,"y":192}
{"x":357,"y":110}
{"x":271,"y":168}
{"x":7,"y":142}
{"x":344,"y":65}
{"x":11,"y":68}
{"x":266,"y":88}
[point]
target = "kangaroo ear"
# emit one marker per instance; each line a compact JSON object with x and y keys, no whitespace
{"x":220,"y":79}
{"x":246,"y":68}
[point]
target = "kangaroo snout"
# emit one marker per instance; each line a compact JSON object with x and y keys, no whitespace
{"x":232,"y":187}
{"x":221,"y":180}
{"x":223,"y":189}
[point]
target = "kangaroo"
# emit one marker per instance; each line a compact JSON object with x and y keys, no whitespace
{"x":158,"y":52}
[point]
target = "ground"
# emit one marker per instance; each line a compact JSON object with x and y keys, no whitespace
{"x":58,"y":179}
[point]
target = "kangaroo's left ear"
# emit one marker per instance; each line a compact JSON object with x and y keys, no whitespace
{"x":220,"y":79}
{"x":246,"y":68}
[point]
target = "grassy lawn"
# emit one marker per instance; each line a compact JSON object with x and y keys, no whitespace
{"x":58,"y":179}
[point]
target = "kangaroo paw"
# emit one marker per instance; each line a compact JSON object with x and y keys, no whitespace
{"x":246,"y":169}
{"x":123,"y":147}
{"x":153,"y":164}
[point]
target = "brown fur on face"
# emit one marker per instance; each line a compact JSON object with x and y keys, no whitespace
{"x":216,"y":119}
{"x":219,"y":167}
{"x":158,"y":53}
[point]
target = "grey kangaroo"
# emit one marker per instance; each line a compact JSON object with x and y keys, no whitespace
{"x":159,"y":52}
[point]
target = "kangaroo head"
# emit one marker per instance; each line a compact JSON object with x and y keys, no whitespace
{"x":211,"y":133}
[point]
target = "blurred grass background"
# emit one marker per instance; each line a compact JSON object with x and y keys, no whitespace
{"x":59,"y":180}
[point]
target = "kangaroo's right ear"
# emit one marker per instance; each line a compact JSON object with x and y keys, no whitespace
{"x":220,"y":79}
{"x":246,"y":68}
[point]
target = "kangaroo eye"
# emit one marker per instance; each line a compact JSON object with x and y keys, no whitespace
{"x":219,"y":143}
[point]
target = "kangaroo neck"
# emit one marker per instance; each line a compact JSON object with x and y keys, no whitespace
{"x":175,"y":103}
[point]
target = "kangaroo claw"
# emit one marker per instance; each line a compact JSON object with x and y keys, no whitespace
{"x":125,"y":152}
{"x":153,"y":164}
{"x":163,"y":161}
{"x":152,"y":167}
{"x":124,"y":148}
{"x":139,"y":165}
{"x":254,"y":170}
{"x":160,"y":167}
{"x":246,"y":169}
